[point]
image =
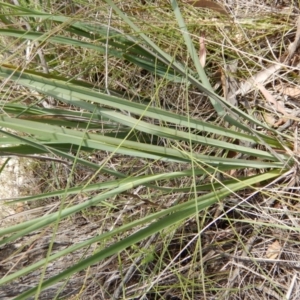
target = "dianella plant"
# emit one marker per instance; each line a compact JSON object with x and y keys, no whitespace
{"x":147,"y":144}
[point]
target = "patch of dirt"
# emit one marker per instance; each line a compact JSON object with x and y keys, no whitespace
{"x":15,"y":178}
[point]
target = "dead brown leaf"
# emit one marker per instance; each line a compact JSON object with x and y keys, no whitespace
{"x":262,"y":76}
{"x":202,"y":51}
{"x":277,"y":106}
{"x":209,"y":5}
{"x":294,"y":46}
{"x":270,"y":119}
{"x":280,"y":122}
{"x":259,"y":78}
{"x":289,"y":91}
{"x":273,"y":250}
